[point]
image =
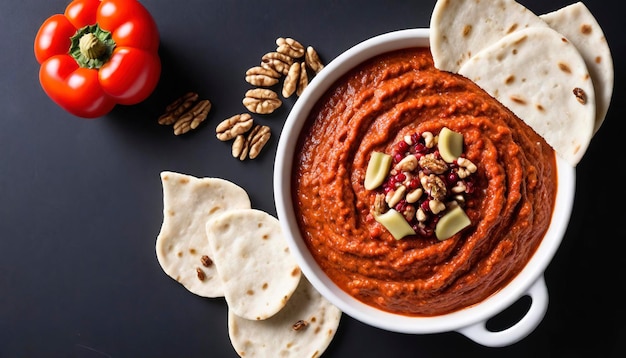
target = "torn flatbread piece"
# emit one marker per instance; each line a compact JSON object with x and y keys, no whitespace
{"x":253,"y":260}
{"x":182,"y":247}
{"x":581,"y":28}
{"x":542,"y":78}
{"x":461,"y":28}
{"x":305,"y":327}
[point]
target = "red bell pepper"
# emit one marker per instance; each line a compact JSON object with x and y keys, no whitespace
{"x":97,"y":54}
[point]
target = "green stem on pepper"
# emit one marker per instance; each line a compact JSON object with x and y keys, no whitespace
{"x":92,"y":46}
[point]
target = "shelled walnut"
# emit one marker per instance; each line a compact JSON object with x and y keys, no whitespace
{"x":291,"y":80}
{"x":262,"y":77}
{"x":277,"y":61}
{"x":251,"y":145}
{"x":185,"y":113}
{"x":174,"y":110}
{"x":303,"y":81}
{"x":192,"y":118}
{"x":261,"y":101}
{"x":289,"y":47}
{"x":312,"y":60}
{"x":234,"y":126}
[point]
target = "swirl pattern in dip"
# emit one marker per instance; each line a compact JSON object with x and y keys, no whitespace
{"x":370,"y":109}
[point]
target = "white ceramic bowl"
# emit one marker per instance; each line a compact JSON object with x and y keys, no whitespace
{"x":471,"y":321}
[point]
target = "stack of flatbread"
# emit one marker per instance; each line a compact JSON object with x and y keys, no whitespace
{"x":554,"y":71}
{"x":214,"y":244}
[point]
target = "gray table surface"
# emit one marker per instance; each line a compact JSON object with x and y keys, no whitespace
{"x":81,"y":200}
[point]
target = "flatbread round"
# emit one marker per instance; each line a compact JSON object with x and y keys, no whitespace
{"x":303,"y":328}
{"x":461,"y":28}
{"x":181,"y":246}
{"x":253,"y":260}
{"x":543,"y":79}
{"x":581,"y":28}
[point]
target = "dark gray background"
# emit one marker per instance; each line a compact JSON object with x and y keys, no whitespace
{"x":81,"y":200}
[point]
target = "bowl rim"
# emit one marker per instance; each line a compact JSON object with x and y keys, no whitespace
{"x":482,"y":311}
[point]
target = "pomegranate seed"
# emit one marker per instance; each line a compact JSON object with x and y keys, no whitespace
{"x":402,"y":146}
{"x":452,"y":178}
{"x":401,"y":205}
{"x":414,"y":183}
{"x":415,"y":138}
{"x":400,"y":177}
{"x":420,"y":148}
{"x":424,"y":205}
{"x":426,"y":231}
{"x":397,"y":158}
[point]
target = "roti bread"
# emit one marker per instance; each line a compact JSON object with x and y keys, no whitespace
{"x":581,"y":28}
{"x":303,"y":328}
{"x":461,"y":28}
{"x":254,"y":262}
{"x":542,"y":78}
{"x":181,"y":246}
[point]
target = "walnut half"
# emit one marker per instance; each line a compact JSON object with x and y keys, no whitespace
{"x":185,"y":113}
{"x":261,"y":101}
{"x":192,"y":118}
{"x":234,"y":126}
{"x":250,"y":146}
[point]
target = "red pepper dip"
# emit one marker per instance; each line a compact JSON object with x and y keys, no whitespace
{"x":371,"y":109}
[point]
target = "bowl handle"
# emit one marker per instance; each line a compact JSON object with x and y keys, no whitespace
{"x":479,"y":333}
